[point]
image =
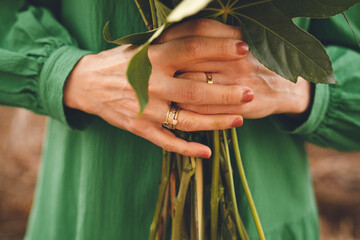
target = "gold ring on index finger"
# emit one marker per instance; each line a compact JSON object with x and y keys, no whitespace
{"x":171,"y":118}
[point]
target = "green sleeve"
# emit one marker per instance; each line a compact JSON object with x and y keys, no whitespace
{"x":334,"y":120}
{"x":36,"y":56}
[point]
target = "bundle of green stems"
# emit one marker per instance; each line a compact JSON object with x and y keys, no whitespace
{"x":199,"y":195}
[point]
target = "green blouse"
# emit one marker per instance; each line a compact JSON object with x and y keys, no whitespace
{"x":100,"y":182}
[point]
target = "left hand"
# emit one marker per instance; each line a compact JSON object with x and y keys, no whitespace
{"x":271,"y":94}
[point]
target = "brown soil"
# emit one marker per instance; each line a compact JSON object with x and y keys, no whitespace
{"x":336,"y":179}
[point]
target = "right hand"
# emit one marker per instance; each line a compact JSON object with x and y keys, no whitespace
{"x":98,"y":85}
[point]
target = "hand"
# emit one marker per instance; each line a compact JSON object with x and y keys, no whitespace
{"x":98,"y":85}
{"x":271,"y":94}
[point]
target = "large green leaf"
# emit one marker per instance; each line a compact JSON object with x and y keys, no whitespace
{"x":283,"y":47}
{"x":136,"y":38}
{"x":313,"y":8}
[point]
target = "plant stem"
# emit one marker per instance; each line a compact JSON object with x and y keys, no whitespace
{"x":163,"y":185}
{"x":148,"y":25}
{"x":214,"y":202}
{"x":172,"y":192}
{"x":245,"y":184}
{"x":199,"y":181}
{"x":229,"y":180}
{"x":161,"y":231}
{"x":153,"y":13}
{"x":187,"y":173}
{"x":179,"y":164}
{"x":226,"y":216}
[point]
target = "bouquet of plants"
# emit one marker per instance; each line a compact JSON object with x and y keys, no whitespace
{"x":199,"y":196}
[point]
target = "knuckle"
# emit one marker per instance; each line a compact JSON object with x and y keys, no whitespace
{"x":186,"y":152}
{"x":226,"y":98}
{"x":192,"y":47}
{"x":201,"y":25}
{"x":192,"y":94}
{"x":236,"y":32}
{"x":204,"y":109}
{"x":154,"y":87}
{"x":188,"y":125}
{"x":135,"y":128}
{"x":155,"y":54}
{"x":221,"y":124}
{"x":226,"y":47}
{"x":230,"y":98}
{"x":133,"y":112}
{"x":131,"y":126}
{"x":168,"y":147}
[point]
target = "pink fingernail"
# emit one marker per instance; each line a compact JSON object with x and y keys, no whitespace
{"x":206,"y":155}
{"x":242,"y":48}
{"x":237,"y":122}
{"x":248,"y":96}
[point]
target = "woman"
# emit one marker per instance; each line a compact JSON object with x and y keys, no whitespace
{"x":99,"y":180}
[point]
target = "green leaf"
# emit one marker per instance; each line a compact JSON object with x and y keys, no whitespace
{"x":139,"y":68}
{"x":138,"y":73}
{"x":187,"y":8}
{"x":162,"y":12}
{"x":136,"y":38}
{"x":313,"y":8}
{"x":283,"y":47}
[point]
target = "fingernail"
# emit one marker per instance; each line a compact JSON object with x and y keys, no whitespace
{"x":248,"y":96}
{"x":237,"y":122}
{"x":206,"y":155}
{"x":242,"y":48}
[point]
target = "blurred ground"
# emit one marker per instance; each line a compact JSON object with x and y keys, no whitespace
{"x":21,"y":134}
{"x":336,"y":178}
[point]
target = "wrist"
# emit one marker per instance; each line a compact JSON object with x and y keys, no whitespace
{"x":74,"y":84}
{"x":298,"y":99}
{"x":302,"y":108}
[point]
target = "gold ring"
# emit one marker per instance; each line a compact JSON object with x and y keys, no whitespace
{"x":209,"y":77}
{"x":171,"y":118}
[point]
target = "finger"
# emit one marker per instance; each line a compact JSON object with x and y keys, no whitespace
{"x":158,"y":135}
{"x":206,"y":66}
{"x":241,"y":109}
{"x":217,"y":78}
{"x":187,"y":91}
{"x":238,"y":66}
{"x":200,"y":27}
{"x":190,"y":121}
{"x":182,"y":52}
{"x":169,"y":142}
{"x":201,"y":77}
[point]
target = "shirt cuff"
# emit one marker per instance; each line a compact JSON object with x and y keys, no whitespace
{"x":317,"y":114}
{"x":53,"y":76}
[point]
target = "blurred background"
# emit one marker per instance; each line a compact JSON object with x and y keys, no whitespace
{"x":336,"y":179}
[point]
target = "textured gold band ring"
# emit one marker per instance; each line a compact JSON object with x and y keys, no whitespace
{"x":171,"y":118}
{"x":209,"y":77}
